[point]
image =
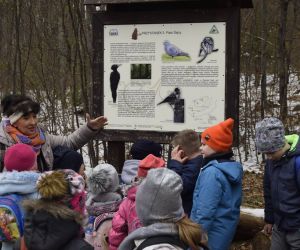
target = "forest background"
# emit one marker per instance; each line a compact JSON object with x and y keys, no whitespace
{"x":45,"y":52}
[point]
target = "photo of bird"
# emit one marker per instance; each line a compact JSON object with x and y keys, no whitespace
{"x":206,"y":48}
{"x":114,"y":81}
{"x":172,"y":50}
{"x":172,"y":98}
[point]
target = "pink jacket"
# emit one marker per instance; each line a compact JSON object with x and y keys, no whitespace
{"x":125,"y":220}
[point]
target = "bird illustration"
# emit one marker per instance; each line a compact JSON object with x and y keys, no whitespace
{"x":114,"y":81}
{"x":134,"y":35}
{"x":172,"y":50}
{"x":172,"y":98}
{"x":206,"y":48}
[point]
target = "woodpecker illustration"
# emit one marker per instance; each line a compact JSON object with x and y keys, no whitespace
{"x":172,"y":98}
{"x":114,"y":81}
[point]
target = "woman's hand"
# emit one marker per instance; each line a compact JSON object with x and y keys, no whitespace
{"x":97,"y":123}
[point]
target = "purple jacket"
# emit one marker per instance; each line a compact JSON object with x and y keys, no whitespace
{"x":125,"y":220}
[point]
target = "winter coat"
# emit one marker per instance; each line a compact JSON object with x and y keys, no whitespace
{"x":50,"y":226}
{"x":103,"y":207}
{"x":142,"y":233}
{"x":188,"y":172}
{"x":217,"y":200}
{"x":282,"y":190}
{"x":75,"y":141}
{"x":125,"y":220}
{"x":129,"y":170}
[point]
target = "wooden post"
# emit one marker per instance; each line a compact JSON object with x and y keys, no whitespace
{"x":116,"y":154}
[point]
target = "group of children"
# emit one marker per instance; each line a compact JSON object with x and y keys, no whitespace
{"x":190,"y":202}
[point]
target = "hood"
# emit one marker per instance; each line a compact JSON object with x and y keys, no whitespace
{"x":232,"y":170}
{"x":131,"y":193}
{"x":129,"y":171}
{"x":18,"y":182}
{"x":158,"y":197}
{"x":294,"y":141}
{"x":55,"y":209}
{"x":148,"y":231}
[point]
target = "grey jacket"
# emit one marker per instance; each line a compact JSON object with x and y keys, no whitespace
{"x":75,"y":141}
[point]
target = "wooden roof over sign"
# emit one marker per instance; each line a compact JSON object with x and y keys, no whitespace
{"x":214,"y":3}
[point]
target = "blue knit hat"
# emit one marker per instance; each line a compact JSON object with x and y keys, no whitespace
{"x":269,"y":135}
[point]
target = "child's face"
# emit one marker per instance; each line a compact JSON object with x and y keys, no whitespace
{"x":275,"y":156}
{"x":206,"y":150}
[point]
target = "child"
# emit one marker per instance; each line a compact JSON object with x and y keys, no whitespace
{"x":102,"y":203}
{"x":186,"y":160}
{"x":159,"y":207}
{"x":125,"y":220}
{"x":218,"y":191}
{"x":66,"y":158}
{"x":54,"y":221}
{"x":139,"y":150}
{"x":17,"y":182}
{"x":281,"y":183}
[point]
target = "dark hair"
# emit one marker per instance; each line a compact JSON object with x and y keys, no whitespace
{"x":19,"y":103}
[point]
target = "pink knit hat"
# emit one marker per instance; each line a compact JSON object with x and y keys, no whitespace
{"x":19,"y":157}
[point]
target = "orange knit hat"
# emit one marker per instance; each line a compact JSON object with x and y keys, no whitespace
{"x":149,"y":162}
{"x":219,"y":137}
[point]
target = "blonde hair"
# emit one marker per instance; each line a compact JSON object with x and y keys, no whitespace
{"x":188,"y":140}
{"x":191,"y":233}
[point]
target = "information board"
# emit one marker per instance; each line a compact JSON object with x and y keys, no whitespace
{"x":164,"y":77}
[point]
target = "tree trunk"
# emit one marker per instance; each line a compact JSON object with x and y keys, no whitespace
{"x":282,"y":58}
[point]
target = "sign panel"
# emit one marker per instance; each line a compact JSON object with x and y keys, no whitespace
{"x":164,"y":77}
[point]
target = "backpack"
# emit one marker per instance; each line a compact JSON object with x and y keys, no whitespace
{"x":11,"y":218}
{"x":101,"y":227}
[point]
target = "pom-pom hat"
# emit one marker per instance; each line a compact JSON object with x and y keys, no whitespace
{"x":19,"y":157}
{"x":102,"y":179}
{"x":53,"y":185}
{"x":219,"y":137}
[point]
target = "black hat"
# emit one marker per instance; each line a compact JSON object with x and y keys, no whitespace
{"x":19,"y":104}
{"x":66,"y":158}
{"x":141,"y":148}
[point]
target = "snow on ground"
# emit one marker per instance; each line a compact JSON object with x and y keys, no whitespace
{"x":251,"y":166}
{"x":257,"y":212}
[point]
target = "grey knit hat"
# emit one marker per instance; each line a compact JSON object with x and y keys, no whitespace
{"x":269,"y":135}
{"x":102,"y":179}
{"x":158,"y":197}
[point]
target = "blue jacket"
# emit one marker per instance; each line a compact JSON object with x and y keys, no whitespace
{"x":188,"y":172}
{"x":282,"y":190}
{"x":217,"y":200}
